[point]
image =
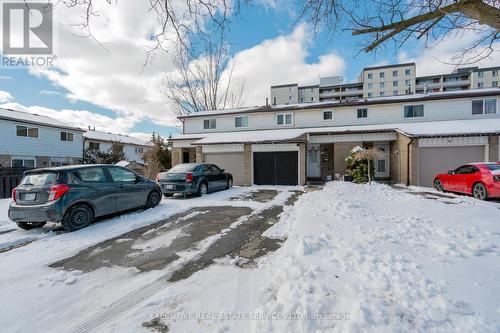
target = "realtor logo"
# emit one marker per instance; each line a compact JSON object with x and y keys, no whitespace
{"x":27,"y":28}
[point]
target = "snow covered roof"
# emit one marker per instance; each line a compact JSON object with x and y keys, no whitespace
{"x":32,"y":118}
{"x":123,"y":163}
{"x":363,"y":101}
{"x":106,"y":136}
{"x":411,"y":129}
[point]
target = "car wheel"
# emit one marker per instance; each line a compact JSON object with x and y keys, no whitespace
{"x":438,"y":185}
{"x":77,"y":217}
{"x":168,"y":195}
{"x":479,"y":191}
{"x":153,"y":199}
{"x":202,"y":189}
{"x":229,"y":183}
{"x":30,"y":225}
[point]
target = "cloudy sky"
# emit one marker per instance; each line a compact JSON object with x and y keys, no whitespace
{"x":100,"y":81}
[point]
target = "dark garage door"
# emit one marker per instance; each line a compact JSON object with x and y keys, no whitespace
{"x":275,"y":168}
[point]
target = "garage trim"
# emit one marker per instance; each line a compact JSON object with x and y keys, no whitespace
{"x":225,"y":148}
{"x":454,"y":141}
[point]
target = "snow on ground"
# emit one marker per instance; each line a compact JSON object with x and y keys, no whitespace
{"x":4,"y":208}
{"x":357,"y":258}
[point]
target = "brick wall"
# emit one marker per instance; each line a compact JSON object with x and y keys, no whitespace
{"x":493,"y":146}
{"x":176,"y":155}
{"x":199,"y":154}
{"x":302,"y":164}
{"x":247,"y":164}
{"x":340,"y":152}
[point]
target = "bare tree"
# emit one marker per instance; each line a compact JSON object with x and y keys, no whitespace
{"x":204,"y":81}
{"x":398,"y":21}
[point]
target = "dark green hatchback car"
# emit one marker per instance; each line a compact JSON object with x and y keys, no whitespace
{"x":75,"y":195}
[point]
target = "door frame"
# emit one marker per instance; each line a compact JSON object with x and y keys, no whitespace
{"x":387,"y":149}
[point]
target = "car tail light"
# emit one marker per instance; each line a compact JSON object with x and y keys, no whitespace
{"x":497,"y":178}
{"x":14,"y":194}
{"x":189,"y":177}
{"x":57,"y":191}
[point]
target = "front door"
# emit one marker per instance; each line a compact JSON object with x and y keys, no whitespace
{"x":313,"y":161}
{"x":382,"y":161}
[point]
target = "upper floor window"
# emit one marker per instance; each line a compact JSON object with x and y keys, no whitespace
{"x":31,"y":132}
{"x":370,"y":76}
{"x":395,"y":92}
{"x":139,"y":150}
{"x":284,"y":118}
{"x":93,"y":145}
{"x":412,"y":111}
{"x":494,"y":73}
{"x":362,"y":113}
{"x":66,"y":136}
{"x":494,"y":84}
{"x":382,"y":84}
{"x":241,"y":121}
{"x":370,"y":85}
{"x":370,"y":94}
{"x":486,"y":106}
{"x":408,"y":82}
{"x":480,"y":85}
{"x":209,"y":124}
{"x":382,"y":93}
{"x":394,"y":73}
{"x":327,"y":115}
{"x":480,"y":74}
{"x":381,"y":75}
{"x":394,"y":83}
{"x":408,"y":72}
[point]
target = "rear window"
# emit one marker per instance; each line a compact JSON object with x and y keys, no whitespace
{"x":183,"y":168}
{"x":39,"y":179}
{"x":493,"y":167}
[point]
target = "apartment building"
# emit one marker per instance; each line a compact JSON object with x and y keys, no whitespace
{"x":387,"y":80}
{"x":133,"y":148}
{"x":417,"y":136}
{"x":31,"y":140}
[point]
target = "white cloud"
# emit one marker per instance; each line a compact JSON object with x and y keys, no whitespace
{"x":282,"y":60}
{"x":3,"y":77}
{"x":50,"y":93}
{"x":5,"y":96}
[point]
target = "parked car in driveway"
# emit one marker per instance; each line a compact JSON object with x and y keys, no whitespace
{"x":194,"y":178}
{"x":76,"y":195}
{"x":482,"y":180}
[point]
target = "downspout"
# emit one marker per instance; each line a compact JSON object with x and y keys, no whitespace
{"x":408,"y":161}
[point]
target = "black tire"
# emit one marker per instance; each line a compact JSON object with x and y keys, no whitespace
{"x":30,"y":225}
{"x":154,"y":199}
{"x":479,"y":191}
{"x":168,"y":195}
{"x":438,"y":185}
{"x":202,"y":189}
{"x":77,"y":217}
{"x":229,"y":183}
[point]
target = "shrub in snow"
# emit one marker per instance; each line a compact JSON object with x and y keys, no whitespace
{"x":359,"y":164}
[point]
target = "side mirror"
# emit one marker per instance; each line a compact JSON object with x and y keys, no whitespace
{"x":451,"y":172}
{"x":138,"y":178}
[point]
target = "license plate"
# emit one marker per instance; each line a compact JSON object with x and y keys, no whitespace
{"x":169,"y":186}
{"x":30,"y":196}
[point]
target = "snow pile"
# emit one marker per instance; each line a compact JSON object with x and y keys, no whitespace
{"x":4,"y":213}
{"x":370,"y":258}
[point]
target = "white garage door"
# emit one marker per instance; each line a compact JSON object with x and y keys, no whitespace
{"x":231,"y":162}
{"x":435,"y":160}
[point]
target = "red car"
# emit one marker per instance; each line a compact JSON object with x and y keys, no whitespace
{"x":482,"y":180}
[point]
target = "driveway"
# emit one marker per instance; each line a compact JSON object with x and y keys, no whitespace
{"x":106,"y":271}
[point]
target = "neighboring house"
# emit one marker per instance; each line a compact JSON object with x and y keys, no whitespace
{"x":387,"y":80}
{"x":31,"y":140}
{"x":133,"y":148}
{"x":417,"y":136}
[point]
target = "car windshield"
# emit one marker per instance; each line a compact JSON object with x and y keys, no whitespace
{"x":183,"y":168}
{"x":493,"y":167}
{"x":39,"y":179}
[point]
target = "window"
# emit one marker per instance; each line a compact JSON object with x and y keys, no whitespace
{"x":284,"y":119}
{"x":139,"y":150}
{"x":66,"y":136}
{"x":93,"y":145}
{"x":480,"y":74}
{"x":381,"y":166}
{"x":23,"y":163}
{"x":122,"y":175}
{"x":494,"y":83}
{"x":480,"y":85}
{"x":209,"y":124}
{"x":381,"y":75}
{"x":465,"y":170}
{"x":408,"y":82}
{"x":31,"y":132}
{"x":395,"y":93}
{"x":241,"y":121}
{"x":412,"y":111}
{"x":408,"y":72}
{"x":370,"y":85}
{"x":362,"y":113}
{"x":382,"y":93}
{"x":381,"y":84}
{"x":394,"y":83}
{"x":289,"y":98}
{"x":370,"y":94}
{"x":370,"y":76}
{"x":487,"y":106}
{"x":394,"y":73}
{"x":327,"y":115}
{"x":91,"y":175}
{"x":312,"y":99}
{"x":494,"y":73}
